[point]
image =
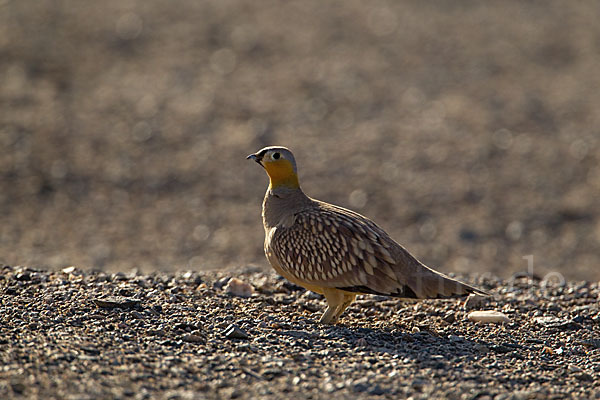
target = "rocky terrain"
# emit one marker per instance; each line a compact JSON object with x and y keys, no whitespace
{"x":75,"y":334}
{"x":467,"y":130}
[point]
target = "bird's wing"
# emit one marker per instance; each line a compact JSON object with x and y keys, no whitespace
{"x":330,"y":246}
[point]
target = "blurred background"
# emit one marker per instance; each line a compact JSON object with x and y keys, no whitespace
{"x":468,"y":130}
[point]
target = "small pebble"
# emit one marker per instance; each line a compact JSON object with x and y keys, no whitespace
{"x":68,"y":270}
{"x":376,"y":390}
{"x":193,"y":339}
{"x":221,"y":282}
{"x":488,"y":317}
{"x":235,"y":332}
{"x":585,"y":377}
{"x":559,"y":351}
{"x":449,"y":317}
{"x":558,"y":323}
{"x":481,"y":348}
{"x":573,"y":368}
{"x":237,"y":287}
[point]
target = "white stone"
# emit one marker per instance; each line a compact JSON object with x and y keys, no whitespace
{"x":68,"y":270}
{"x":487,"y":317}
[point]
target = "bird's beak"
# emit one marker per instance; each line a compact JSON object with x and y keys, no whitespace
{"x":255,"y":157}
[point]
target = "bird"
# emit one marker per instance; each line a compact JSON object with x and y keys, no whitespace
{"x":337,"y":252}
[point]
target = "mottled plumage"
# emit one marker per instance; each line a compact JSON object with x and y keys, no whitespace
{"x":335,"y":251}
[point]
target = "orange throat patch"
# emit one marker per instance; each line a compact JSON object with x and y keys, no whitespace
{"x":281,"y":173}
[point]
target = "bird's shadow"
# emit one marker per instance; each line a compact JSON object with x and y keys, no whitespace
{"x":426,"y":346}
{"x":397,"y":339}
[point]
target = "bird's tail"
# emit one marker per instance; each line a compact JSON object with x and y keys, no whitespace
{"x":426,"y":283}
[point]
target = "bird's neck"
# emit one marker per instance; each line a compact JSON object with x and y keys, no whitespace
{"x":280,"y":202}
{"x":286,"y":180}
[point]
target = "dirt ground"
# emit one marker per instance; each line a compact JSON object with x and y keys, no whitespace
{"x":80,"y":334}
{"x":468,"y":130}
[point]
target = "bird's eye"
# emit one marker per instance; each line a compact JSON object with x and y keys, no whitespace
{"x":276,"y":156}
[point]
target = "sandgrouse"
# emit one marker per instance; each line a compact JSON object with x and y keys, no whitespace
{"x":337,"y":252}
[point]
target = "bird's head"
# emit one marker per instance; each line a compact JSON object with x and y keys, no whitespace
{"x":280,"y":165}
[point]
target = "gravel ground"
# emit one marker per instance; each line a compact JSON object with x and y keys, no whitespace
{"x":77,"y":334}
{"x":467,"y":130}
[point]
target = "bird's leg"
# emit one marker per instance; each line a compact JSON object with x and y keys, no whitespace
{"x":327,"y":316}
{"x":335,"y":298}
{"x":348,"y":299}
